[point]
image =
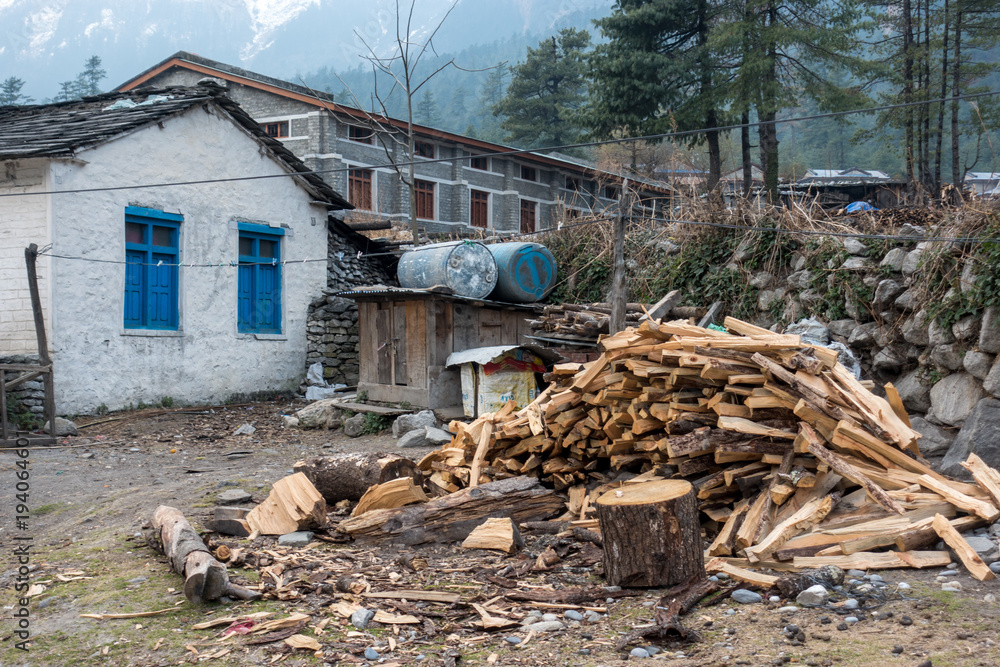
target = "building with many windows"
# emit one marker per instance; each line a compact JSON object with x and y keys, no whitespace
{"x":461,"y":182}
{"x":159,"y":279}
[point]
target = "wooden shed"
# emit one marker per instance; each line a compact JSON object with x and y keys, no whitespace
{"x":407,"y":334}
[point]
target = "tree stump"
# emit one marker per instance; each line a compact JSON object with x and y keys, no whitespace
{"x":651,"y":534}
{"x":348,"y":476}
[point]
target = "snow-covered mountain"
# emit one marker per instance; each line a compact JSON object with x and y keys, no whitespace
{"x":45,"y":42}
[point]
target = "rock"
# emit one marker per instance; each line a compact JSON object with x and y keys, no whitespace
{"x":371,"y":654}
{"x":935,"y":440}
{"x":318,"y":414}
{"x":843,"y":328}
{"x":762,"y":280}
{"x":436,"y":437}
{"x":995,"y":567}
{"x":955,"y":397}
{"x":967,"y":281}
{"x":639,"y":653}
{"x":64,"y":427}
{"x":406,"y":423}
{"x":851,"y":604}
{"x":573,"y":615}
{"x":851,"y":620}
{"x":787,"y":610}
{"x":916,"y":328}
{"x":991,"y":383}
{"x":415,"y":438}
{"x":299,"y":538}
{"x":545,"y":626}
{"x":903,"y":586}
{"x":894,"y":259}
{"x":233,"y":497}
{"x":811,"y":298}
{"x":989,"y":331}
{"x":512,"y":640}
{"x":314,"y":376}
{"x":939,"y":335}
{"x":855,"y":247}
{"x":245,"y":429}
{"x":810,"y":330}
{"x":907,"y":300}
{"x":911,"y":262}
{"x":743,"y":596}
{"x":978,"y":364}
{"x":766,"y":298}
{"x":915,"y":394}
{"x":592,"y":616}
{"x":966,"y":328}
{"x":549,"y":617}
{"x":361,"y":618}
{"x":800,"y":280}
{"x":981,"y":545}
{"x":288,"y":421}
{"x":888,"y":359}
{"x":856,"y":264}
{"x":797,"y":261}
{"x":951,"y":587}
{"x":863,"y":335}
{"x":812,"y":596}
{"x":905,"y":620}
{"x":948,"y":356}
{"x":979,"y":436}
{"x":322,"y":393}
{"x":887,"y":292}
{"x":354,"y":426}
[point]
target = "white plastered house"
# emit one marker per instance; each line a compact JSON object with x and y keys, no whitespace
{"x":196,"y":292}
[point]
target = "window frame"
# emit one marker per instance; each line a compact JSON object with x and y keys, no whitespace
{"x":280,"y":125}
{"x":573,"y":184}
{"x":357,"y":134}
{"x":533,"y":171}
{"x":479,"y":200}
{"x":485,"y":162}
{"x":425,"y":196}
{"x":257,"y":278}
{"x":147,"y":267}
{"x":418,"y":145}
{"x":359,"y":177}
{"x":613,"y":189}
{"x":534,"y":216}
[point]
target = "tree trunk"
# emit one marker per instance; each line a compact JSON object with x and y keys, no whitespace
{"x":944,"y":93}
{"x":651,"y":534}
{"x":618,"y":297}
{"x":204,"y":577}
{"x":768,"y":135}
{"x":349,"y":476}
{"x":956,"y":90}
{"x":908,"y":94}
{"x":745,"y":153}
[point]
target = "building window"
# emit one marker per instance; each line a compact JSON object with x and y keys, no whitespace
{"x":424,"y":149}
{"x":529,"y":173}
{"x":258,"y":303}
{"x":276,"y":130}
{"x":359,"y":189}
{"x":151,"y":276}
{"x":425,"y":199}
{"x":360,"y":134}
{"x":572,"y":183}
{"x":479,"y":162}
{"x":479,"y":209}
{"x":527,"y":216}
{"x":611,"y":192}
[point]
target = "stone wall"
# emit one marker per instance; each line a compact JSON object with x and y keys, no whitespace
{"x":28,"y":398}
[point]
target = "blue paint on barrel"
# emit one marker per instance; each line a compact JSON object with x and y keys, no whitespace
{"x":526,"y":272}
{"x":466,"y":267}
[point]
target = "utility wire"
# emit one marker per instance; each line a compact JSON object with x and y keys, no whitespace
{"x":508,"y":153}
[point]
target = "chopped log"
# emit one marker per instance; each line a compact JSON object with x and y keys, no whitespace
{"x":987,"y":477}
{"x":811,"y":513}
{"x":765,"y":581}
{"x":230,"y":521}
{"x":888,"y":560}
{"x":960,"y":500}
{"x":396,"y":493}
{"x":451,"y":518}
{"x":349,"y":476}
{"x":651,"y":534}
{"x":204,"y":577}
{"x":293,"y":504}
{"x":973,"y":563}
{"x":498,"y":534}
{"x":920,"y":536}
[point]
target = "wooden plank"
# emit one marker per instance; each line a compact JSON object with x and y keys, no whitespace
{"x":973,"y":563}
{"x":896,"y":403}
{"x":741,"y":574}
{"x":490,"y":327}
{"x":972,"y":505}
{"x":418,"y":596}
{"x":867,"y":560}
{"x":753,"y":428}
{"x":465,"y":327}
{"x":805,"y":518}
{"x":400,"y":350}
{"x":416,"y":343}
{"x":368,"y":342}
{"x":387,"y":393}
{"x":383,"y":340}
{"x":987,"y":477}
{"x":508,"y":329}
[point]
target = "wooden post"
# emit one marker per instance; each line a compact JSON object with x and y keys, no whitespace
{"x":651,"y":534}
{"x":618,"y":304}
{"x":30,"y":256}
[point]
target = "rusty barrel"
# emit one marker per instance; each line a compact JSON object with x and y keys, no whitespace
{"x":466,"y":267}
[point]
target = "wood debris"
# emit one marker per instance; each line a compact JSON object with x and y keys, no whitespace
{"x":293,"y":504}
{"x":498,"y":534}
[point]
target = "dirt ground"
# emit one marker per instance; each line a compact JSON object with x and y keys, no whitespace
{"x":90,"y":497}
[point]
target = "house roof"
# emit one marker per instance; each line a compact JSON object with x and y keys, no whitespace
{"x":63,"y":129}
{"x":214,"y":68}
{"x":982,"y":176}
{"x":852,"y":176}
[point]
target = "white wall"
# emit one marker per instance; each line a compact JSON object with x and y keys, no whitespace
{"x":23,"y":220}
{"x":97,"y":360}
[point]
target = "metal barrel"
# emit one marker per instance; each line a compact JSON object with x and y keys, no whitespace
{"x":466,"y":267}
{"x":526,"y":272}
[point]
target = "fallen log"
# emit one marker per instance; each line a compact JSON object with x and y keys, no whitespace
{"x":451,"y":518}
{"x":349,"y":476}
{"x":204,"y":577}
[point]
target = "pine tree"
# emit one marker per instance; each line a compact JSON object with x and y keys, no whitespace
{"x":10,"y":92}
{"x":547,"y":92}
{"x":492,"y":92}
{"x":89,"y":80}
{"x":427,"y":111}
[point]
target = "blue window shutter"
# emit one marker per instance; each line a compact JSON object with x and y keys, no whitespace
{"x":162,"y":290}
{"x":151,"y":291}
{"x":245,"y":298}
{"x":259,"y":281}
{"x":266,"y":300}
{"x":133,"y":288}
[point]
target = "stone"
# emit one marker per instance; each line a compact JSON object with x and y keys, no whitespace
{"x":912,"y":262}
{"x":799,"y":280}
{"x":966,"y":328}
{"x":812,"y":596}
{"x":245,"y":429}
{"x":809,"y":330}
{"x":894,"y":259}
{"x":888,"y":359}
{"x":743,"y":596}
{"x":995,"y":567}
{"x":361,"y":618}
{"x":318,"y":414}
{"x":951,"y":587}
{"x":639,"y":653}
{"x":512,"y":640}
{"x":955,"y":397}
{"x":545,"y":626}
{"x":811,"y":298}
{"x":863,"y":335}
{"x":907,"y":301}
{"x":406,"y":423}
{"x":938,"y":334}
{"x":981,"y":545}
{"x":371,"y":654}
{"x":851,"y":619}
{"x":64,"y":427}
{"x":762,"y":280}
{"x":549,"y":617}
{"x":979,"y":436}
{"x":935,"y":440}
{"x":978,"y":364}
{"x":790,"y":609}
{"x":887,"y":292}
{"x":288,"y":421}
{"x":668,"y":247}
{"x":948,"y":356}
{"x":299,"y":538}
{"x":915,"y":231}
{"x":321,"y":393}
{"x":989,"y":331}
{"x":797,"y":261}
{"x":915,"y":393}
{"x":991,"y":383}
{"x":233,"y":497}
{"x":592,"y":616}
{"x":416,"y":438}
{"x":855,"y":247}
{"x":856,"y":264}
{"x":354,"y":426}
{"x":967,"y":281}
{"x":573,"y":615}
{"x":842,"y":328}
{"x":916,"y":328}
{"x":851,"y":604}
{"x":436,"y":437}
{"x":767,"y":297}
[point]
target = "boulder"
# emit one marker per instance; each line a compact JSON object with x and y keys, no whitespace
{"x":989,"y":332}
{"x":799,"y":280}
{"x":967,"y":281}
{"x":887,"y":292}
{"x":978,"y":436}
{"x":947,"y":356}
{"x":907,"y":301}
{"x":797,"y":261}
{"x":762,"y":280}
{"x":64,"y":427}
{"x":978,"y":363}
{"x":938,"y":334}
{"x":955,"y":397}
{"x":862,"y":335}
{"x":966,"y":328}
{"x":415,"y":438}
{"x":856,"y":264}
{"x":888,"y":359}
{"x":915,"y":231}
{"x":935,"y":440}
{"x":416,"y":421}
{"x":894,"y":259}
{"x":912,"y":262}
{"x":915,"y":328}
{"x":915,"y":394}
{"x":842,"y":328}
{"x":767,"y":297}
{"x":354,"y":426}
{"x":991,"y":383}
{"x":319,"y":414}
{"x":437,"y":437}
{"x":855,"y":247}
{"x":810,"y":330}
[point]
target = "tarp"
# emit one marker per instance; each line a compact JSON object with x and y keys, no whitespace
{"x":856,"y":206}
{"x":484,"y":355}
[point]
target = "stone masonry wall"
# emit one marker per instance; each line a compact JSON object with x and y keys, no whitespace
{"x":28,"y":398}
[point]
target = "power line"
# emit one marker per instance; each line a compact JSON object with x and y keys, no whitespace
{"x":512,"y":152}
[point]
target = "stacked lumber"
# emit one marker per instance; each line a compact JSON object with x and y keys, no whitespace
{"x":792,"y":458}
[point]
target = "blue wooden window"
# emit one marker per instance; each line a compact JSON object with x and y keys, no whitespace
{"x":258,"y":300}
{"x":151,"y":257}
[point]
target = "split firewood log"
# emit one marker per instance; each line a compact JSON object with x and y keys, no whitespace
{"x":348,"y":476}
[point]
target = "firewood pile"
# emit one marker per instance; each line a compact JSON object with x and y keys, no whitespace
{"x":584,"y":323}
{"x":795,"y":462}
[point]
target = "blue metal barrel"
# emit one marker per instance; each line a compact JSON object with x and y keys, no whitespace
{"x":526,"y":272}
{"x":467,"y":267}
